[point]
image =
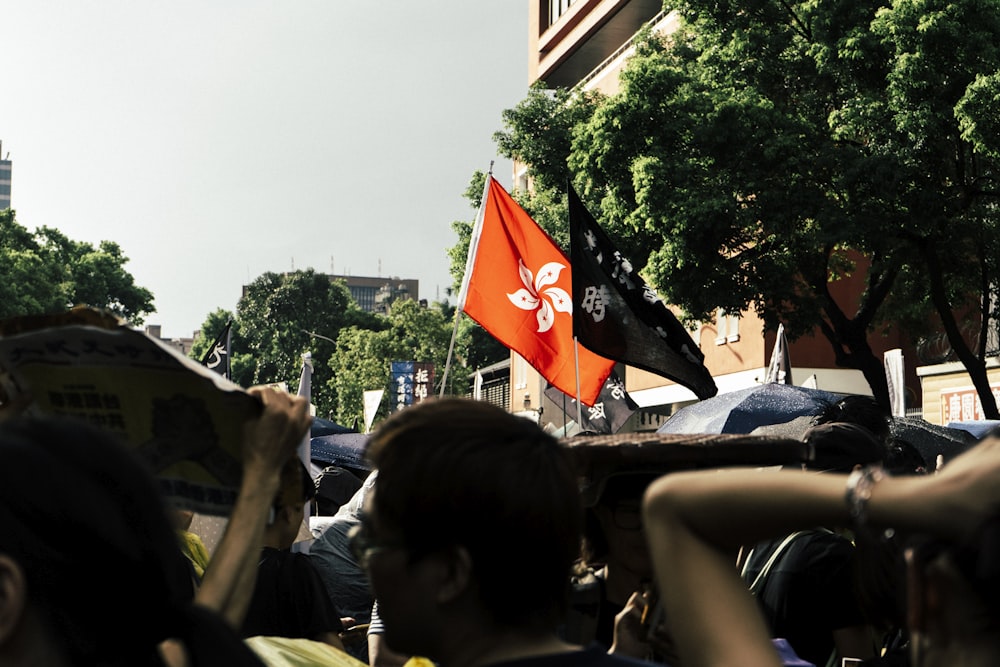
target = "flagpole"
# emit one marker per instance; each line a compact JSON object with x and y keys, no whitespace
{"x":473,"y":242}
{"x":564,"y":412}
{"x":576,"y":357}
{"x":451,"y":349}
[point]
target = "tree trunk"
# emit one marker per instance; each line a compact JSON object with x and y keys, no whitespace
{"x":849,"y":337}
{"x":974,"y":365}
{"x":852,"y":350}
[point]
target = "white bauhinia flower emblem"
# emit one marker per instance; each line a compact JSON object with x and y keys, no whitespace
{"x":538,"y":294}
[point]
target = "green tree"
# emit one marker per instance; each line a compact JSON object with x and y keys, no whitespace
{"x":752,"y":156}
{"x":363,"y":358}
{"x":45,"y":271}
{"x":97,"y":277}
{"x":281,"y":316}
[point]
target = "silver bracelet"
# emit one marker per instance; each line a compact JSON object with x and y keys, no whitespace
{"x":860,"y":483}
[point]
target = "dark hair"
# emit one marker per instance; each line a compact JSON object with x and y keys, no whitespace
{"x":902,"y":458}
{"x":861,"y":410}
{"x":839,"y":446}
{"x":296,"y":484}
{"x":86,"y":523}
{"x":459,"y":472}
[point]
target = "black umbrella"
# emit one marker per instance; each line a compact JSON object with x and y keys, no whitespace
{"x":932,"y":440}
{"x":600,"y":457}
{"x":341,"y":449}
{"x":326,"y":427}
{"x":744,"y":410}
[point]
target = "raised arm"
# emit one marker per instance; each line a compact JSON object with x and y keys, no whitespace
{"x":693,"y":521}
{"x":269,"y":442}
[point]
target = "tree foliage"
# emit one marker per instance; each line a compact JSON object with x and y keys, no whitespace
{"x":282,"y":316}
{"x":765,"y":151}
{"x":45,"y":271}
{"x":363,"y":358}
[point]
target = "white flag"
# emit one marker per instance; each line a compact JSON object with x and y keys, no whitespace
{"x":780,"y":368}
{"x":305,"y":390}
{"x":893,"y":360}
{"x":372,"y":400}
{"x":477,"y":389}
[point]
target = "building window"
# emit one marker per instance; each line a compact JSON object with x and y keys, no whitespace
{"x":557,"y":8}
{"x":727,"y":328}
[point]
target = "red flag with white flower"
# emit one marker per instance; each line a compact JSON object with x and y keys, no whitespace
{"x":517,"y":287}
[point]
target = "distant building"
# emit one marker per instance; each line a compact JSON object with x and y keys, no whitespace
{"x":376,"y":294}
{"x":5,"y":171}
{"x":494,"y":384}
{"x":183,"y":345}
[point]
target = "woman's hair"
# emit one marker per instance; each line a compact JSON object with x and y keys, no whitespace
{"x":454,"y":472}
{"x":85,"y":521}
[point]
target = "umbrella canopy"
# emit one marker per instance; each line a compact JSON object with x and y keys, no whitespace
{"x":932,"y":440}
{"x":744,"y":410}
{"x":928,"y":439}
{"x":600,"y":457}
{"x":341,"y":449}
{"x":977,"y":428}
{"x":326,"y":427}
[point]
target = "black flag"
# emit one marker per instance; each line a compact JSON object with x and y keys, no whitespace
{"x":217,"y":357}
{"x":613,"y":407}
{"x":618,"y":316}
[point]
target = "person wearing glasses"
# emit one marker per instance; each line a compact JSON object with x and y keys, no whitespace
{"x":470,"y":535}
{"x":615,"y":565}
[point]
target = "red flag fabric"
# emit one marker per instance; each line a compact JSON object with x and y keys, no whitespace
{"x":517,"y":286}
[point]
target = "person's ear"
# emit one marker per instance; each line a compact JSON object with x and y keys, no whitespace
{"x":456,"y":573}
{"x":13,"y":596}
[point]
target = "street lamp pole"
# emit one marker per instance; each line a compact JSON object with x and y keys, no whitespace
{"x":316,"y":335}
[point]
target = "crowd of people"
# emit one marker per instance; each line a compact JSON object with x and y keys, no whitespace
{"x":470,"y":544}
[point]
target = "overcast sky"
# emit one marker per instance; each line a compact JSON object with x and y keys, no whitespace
{"x":215,"y":140}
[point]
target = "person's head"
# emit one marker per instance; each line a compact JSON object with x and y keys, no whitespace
{"x":476,"y":513}
{"x":288,"y":508}
{"x":953,"y":593}
{"x":83,"y":528}
{"x":612,"y":532}
{"x":861,"y":410}
{"x":902,"y":458}
{"x":839,"y":446}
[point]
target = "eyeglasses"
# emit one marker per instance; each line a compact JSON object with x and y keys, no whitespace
{"x":627,"y":516}
{"x":364,"y":546}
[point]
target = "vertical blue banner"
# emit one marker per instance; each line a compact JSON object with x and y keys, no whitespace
{"x":402,"y":385}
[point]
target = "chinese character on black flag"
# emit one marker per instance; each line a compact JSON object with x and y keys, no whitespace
{"x":618,"y":316}
{"x":217,"y":357}
{"x":613,"y":407}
